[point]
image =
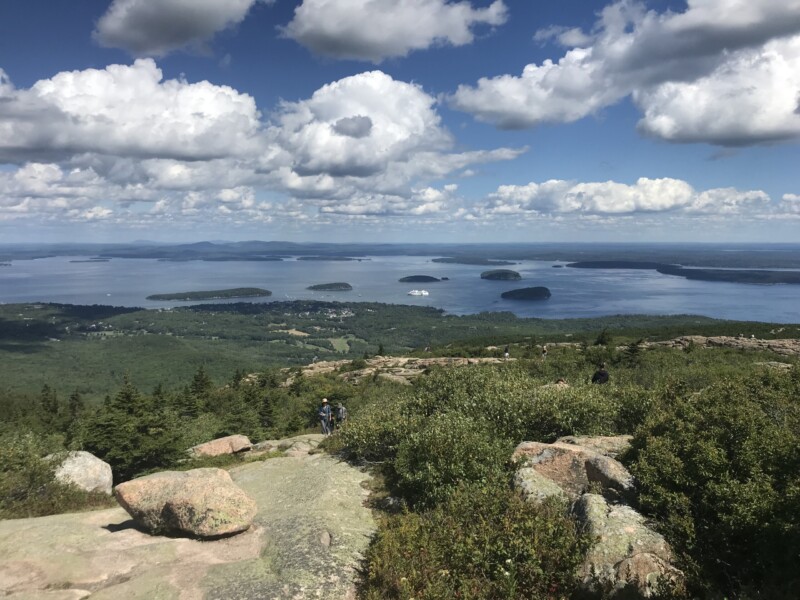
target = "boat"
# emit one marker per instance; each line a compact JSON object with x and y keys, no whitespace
{"x":418,"y":293}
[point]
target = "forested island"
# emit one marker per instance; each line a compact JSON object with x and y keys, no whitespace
{"x":419,"y":279}
{"x":472,"y":260}
{"x":699,"y":274}
{"x":501,"y":275}
{"x":91,"y":260}
{"x":529,"y":293}
{"x":213,"y":294}
{"x":339,"y":286}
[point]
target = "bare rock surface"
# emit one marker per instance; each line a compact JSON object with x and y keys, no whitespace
{"x":572,"y":468}
{"x":784,"y":347}
{"x":611,"y":446}
{"x":305,"y":542}
{"x":201,"y":502}
{"x":627,"y":556}
{"x":85,"y":471}
{"x":226,"y":445}
{"x":297,"y":446}
{"x":401,"y":369}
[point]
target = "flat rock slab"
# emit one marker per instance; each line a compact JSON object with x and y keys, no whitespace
{"x":306,"y":541}
{"x":230,"y":444}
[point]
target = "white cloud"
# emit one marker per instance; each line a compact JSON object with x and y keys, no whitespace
{"x":157,"y":27}
{"x":126,"y":111}
{"x":667,"y":60}
{"x":613,"y":198}
{"x":374,"y":30}
{"x":754,"y":96}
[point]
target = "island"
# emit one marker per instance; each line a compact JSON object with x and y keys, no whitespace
{"x":557,"y":266}
{"x":529,"y":293}
{"x":339,"y":286}
{"x":5,"y":264}
{"x":501,"y":275}
{"x":418,"y":279}
{"x":763,"y":277}
{"x":471,"y":260}
{"x":214,"y":294}
{"x":91,"y":260}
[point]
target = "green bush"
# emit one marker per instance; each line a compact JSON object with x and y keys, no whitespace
{"x":720,"y":470}
{"x":483,"y":542}
{"x":27,"y":484}
{"x":449,"y":449}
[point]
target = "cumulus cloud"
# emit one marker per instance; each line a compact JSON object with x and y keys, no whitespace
{"x":730,"y":56}
{"x":613,"y":198}
{"x":359,"y":125}
{"x":374,"y":30}
{"x":157,"y":27}
{"x":126,"y":111}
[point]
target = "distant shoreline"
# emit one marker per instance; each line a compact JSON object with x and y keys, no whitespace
{"x":762,"y":277}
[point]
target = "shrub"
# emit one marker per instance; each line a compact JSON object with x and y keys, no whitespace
{"x":27,"y":484}
{"x":449,"y":449}
{"x":483,"y":542}
{"x":721,"y":470}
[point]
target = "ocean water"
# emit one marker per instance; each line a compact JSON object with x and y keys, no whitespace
{"x":575,"y":292}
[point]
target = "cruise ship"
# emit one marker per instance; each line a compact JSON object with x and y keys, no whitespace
{"x":418,"y":293}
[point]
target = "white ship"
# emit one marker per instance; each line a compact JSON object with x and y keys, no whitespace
{"x":418,"y":293}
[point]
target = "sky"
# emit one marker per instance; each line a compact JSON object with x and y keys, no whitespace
{"x":400,"y":120}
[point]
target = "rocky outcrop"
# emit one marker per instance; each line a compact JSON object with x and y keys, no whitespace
{"x":627,"y":559}
{"x":201,"y":502}
{"x":401,"y":369}
{"x":226,"y":445}
{"x":627,"y":555}
{"x":306,"y":542}
{"x":573,"y":468}
{"x":85,"y":471}
{"x":297,"y":446}
{"x":785,"y":347}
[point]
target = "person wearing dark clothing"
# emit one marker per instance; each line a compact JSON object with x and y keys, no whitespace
{"x":325,"y":417}
{"x":601,"y":375}
{"x":506,"y":353}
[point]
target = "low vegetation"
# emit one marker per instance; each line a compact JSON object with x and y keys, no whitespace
{"x":716,"y":436}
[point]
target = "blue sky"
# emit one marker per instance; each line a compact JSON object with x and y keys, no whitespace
{"x":400,"y":120}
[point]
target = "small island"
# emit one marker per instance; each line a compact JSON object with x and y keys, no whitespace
{"x":418,"y":279}
{"x":91,"y":260}
{"x":5,"y":264}
{"x":530,"y":293}
{"x":558,"y":266}
{"x":213,"y":294}
{"x":471,"y":260}
{"x":501,"y":275}
{"x":339,"y":286}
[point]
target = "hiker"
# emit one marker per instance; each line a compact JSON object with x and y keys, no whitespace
{"x":506,"y":353}
{"x":544,"y":353}
{"x":601,"y":375}
{"x":341,"y":415}
{"x":325,"y":417}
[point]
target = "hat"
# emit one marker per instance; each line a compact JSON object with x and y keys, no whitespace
{"x":324,"y":399}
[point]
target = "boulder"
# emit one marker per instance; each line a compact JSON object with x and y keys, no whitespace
{"x":535,"y":487}
{"x":85,"y":471}
{"x":226,"y":445}
{"x":200,"y":502}
{"x":573,"y":468}
{"x":627,"y":556}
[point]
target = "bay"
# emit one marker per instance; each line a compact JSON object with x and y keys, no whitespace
{"x":575,"y":292}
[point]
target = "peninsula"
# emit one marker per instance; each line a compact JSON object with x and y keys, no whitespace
{"x":699,"y":274}
{"x":501,"y":275}
{"x":213,"y":294}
